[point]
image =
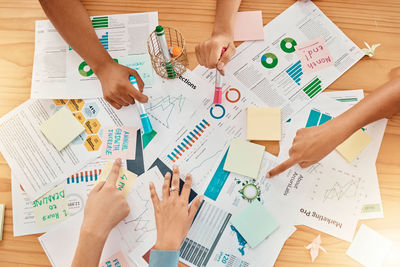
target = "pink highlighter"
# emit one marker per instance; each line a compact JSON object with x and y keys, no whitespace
{"x":218,"y":85}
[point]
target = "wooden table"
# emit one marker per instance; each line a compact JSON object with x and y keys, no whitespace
{"x":367,"y":20}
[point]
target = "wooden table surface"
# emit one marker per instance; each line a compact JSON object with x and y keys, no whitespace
{"x":366,"y":20}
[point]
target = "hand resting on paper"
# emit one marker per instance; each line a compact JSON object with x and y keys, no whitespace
{"x":312,"y":144}
{"x":105,"y":208}
{"x":173,"y":214}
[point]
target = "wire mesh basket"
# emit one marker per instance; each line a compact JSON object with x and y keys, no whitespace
{"x":176,"y":66}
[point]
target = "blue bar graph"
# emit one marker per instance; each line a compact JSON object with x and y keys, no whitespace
{"x":104,"y":40}
{"x":295,"y":72}
{"x":83,"y":177}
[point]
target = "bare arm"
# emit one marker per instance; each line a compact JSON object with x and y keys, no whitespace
{"x":312,"y":144}
{"x":209,"y":52}
{"x":72,"y":21}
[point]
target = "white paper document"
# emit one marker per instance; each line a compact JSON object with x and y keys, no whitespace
{"x":35,"y":162}
{"x":271,"y":69}
{"x":137,"y":228}
{"x":59,"y":72}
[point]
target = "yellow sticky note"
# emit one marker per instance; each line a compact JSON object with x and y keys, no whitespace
{"x":353,"y":145}
{"x":125,"y":181}
{"x":244,"y":158}
{"x":61,"y":128}
{"x":263,"y":123}
{"x":51,"y":207}
{"x":2,"y":213}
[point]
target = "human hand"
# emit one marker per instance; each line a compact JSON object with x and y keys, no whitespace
{"x":106,"y":205}
{"x":209,"y":52}
{"x":117,"y":89}
{"x":310,"y":146}
{"x":173,"y":215}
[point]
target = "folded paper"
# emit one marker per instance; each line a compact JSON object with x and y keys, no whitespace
{"x":314,"y":248}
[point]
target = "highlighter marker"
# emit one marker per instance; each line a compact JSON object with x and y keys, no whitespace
{"x":147,"y":128}
{"x":218,"y":85}
{"x":165,"y":51}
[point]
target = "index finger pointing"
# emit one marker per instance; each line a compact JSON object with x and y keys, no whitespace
{"x":281,"y":167}
{"x":113,"y":177}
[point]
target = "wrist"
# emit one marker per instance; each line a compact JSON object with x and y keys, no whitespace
{"x":166,"y":245}
{"x":226,"y":32}
{"x":100,"y":67}
{"x":94,"y":233}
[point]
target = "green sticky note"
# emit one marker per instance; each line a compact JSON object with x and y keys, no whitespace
{"x":51,"y":207}
{"x":61,"y":128}
{"x":254,"y":223}
{"x":244,"y":158}
{"x":2,"y":213}
{"x":142,"y":64}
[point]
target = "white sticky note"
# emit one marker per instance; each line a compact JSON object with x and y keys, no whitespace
{"x":369,"y":248}
{"x":244,"y":158}
{"x":2,"y":213}
{"x":263,"y":123}
{"x":353,"y":145}
{"x":61,"y":128}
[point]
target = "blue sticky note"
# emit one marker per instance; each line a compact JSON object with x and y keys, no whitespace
{"x":254,"y":223}
{"x":142,"y":64}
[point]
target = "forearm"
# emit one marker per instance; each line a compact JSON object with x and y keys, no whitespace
{"x":72,"y":21}
{"x":225,"y":16}
{"x":89,"y":257}
{"x":384,"y":102}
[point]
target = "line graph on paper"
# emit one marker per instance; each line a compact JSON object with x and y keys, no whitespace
{"x":163,"y":108}
{"x":337,"y":185}
{"x":139,"y":226}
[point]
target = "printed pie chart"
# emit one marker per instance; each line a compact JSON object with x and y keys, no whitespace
{"x":288,"y":44}
{"x":269,"y":60}
{"x":85,"y":70}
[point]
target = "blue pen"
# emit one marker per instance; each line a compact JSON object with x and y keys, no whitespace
{"x":147,"y":128}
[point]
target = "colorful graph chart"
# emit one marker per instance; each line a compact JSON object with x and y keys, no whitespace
{"x":313,"y":88}
{"x":269,"y":60}
{"x":165,"y":107}
{"x":218,"y":180}
{"x":188,"y":141}
{"x":100,"y":22}
{"x":316,"y":118}
{"x":84,"y":69}
{"x":295,"y":72}
{"x":228,"y":95}
{"x":214,"y":111}
{"x":288,"y":45}
{"x":104,"y":40}
{"x":87,"y":176}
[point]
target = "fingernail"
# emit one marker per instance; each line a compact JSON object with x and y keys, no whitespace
{"x":174,"y":167}
{"x":220,"y":65}
{"x":201,"y":198}
{"x":268,"y":175}
{"x":118,"y":160}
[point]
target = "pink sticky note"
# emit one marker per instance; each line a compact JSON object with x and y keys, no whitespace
{"x":116,"y":260}
{"x":314,"y":55}
{"x":119,"y":142}
{"x":248,"y":26}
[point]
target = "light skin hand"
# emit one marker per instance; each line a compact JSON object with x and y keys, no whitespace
{"x":209,"y":52}
{"x":105,"y":208}
{"x":117,"y":89}
{"x":173,"y":214}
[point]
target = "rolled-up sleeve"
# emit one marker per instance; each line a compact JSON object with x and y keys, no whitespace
{"x":164,"y":258}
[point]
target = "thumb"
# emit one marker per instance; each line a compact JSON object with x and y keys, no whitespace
{"x":139,"y":80}
{"x":224,"y":59}
{"x":194,"y":207}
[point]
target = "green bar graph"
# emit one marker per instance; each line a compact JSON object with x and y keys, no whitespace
{"x":313,"y":88}
{"x":100,"y":22}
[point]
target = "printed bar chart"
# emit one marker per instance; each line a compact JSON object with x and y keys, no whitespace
{"x":104,"y":40}
{"x":316,"y":118}
{"x":100,"y":22}
{"x":87,"y":176}
{"x":188,"y":141}
{"x":313,"y":88}
{"x":295,"y":72}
